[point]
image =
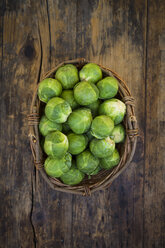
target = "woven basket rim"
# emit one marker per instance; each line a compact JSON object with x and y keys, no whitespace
{"x":106,"y":177}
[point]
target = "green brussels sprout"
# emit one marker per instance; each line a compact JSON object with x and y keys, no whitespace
{"x":89,"y":135}
{"x":91,"y":73}
{"x":56,"y":167}
{"x":46,"y":126}
{"x":57,"y":110}
{"x":72,"y":177}
{"x":68,"y":96}
{"x":85,"y":93}
{"x":65,"y":127}
{"x":80,"y":120}
{"x":102,"y":126}
{"x":67,"y":75}
{"x":102,"y":148}
{"x":86,"y":162}
{"x":77,"y":143}
{"x":56,"y":144}
{"x":94,"y":107}
{"x":118,"y":133}
{"x":111,"y":161}
{"x":114,"y":108}
{"x":49,"y":88}
{"x":108,"y":87}
{"x":95,"y":172}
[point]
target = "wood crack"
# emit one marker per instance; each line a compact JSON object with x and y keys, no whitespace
{"x":33,"y":183}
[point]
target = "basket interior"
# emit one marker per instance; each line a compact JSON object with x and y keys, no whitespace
{"x":102,"y":175}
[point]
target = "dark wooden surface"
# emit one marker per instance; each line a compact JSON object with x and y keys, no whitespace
{"x":127,"y":36}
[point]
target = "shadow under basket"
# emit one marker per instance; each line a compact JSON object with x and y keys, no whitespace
{"x":105,"y":177}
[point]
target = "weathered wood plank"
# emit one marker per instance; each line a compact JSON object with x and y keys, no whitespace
{"x":19,"y":71}
{"x":154,"y":201}
{"x":113,"y":33}
{"x":52,"y":210}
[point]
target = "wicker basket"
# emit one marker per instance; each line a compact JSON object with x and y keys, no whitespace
{"x":105,"y":177}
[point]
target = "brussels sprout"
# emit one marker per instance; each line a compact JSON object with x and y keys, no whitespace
{"x":102,"y":148}
{"x":57,"y":110}
{"x":46,"y":126}
{"x":94,"y":107}
{"x":102,"y":126}
{"x":56,"y":144}
{"x":80,"y":120}
{"x":86,"y":93}
{"x":49,"y":88}
{"x":72,"y":177}
{"x":77,"y":143}
{"x":56,"y":167}
{"x":68,"y":96}
{"x":67,"y":75}
{"x":108,"y":87}
{"x":91,"y":73}
{"x":95,"y":172}
{"x":66,"y":128}
{"x":114,"y":108}
{"x":86,"y":162}
{"x":118,"y":133}
{"x":111,"y":161}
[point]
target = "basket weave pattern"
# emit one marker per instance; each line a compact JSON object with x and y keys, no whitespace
{"x":105,"y":177}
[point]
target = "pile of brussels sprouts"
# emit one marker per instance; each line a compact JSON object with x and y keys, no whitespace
{"x":82,"y":122}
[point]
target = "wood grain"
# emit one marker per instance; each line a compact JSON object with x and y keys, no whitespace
{"x":116,"y":38}
{"x":127,"y":36}
{"x":52,"y":212}
{"x":19,"y":68}
{"x":154,"y":187}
